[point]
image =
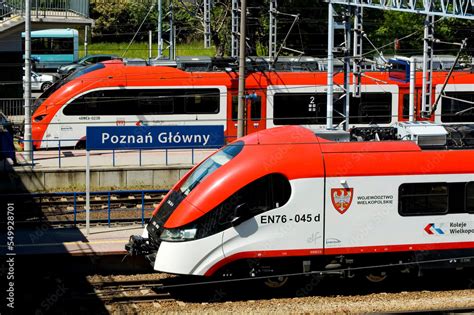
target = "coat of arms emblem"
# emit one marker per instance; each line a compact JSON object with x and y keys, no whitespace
{"x":341,"y":198}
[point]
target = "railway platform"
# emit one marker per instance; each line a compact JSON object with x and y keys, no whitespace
{"x":64,"y":170}
{"x":73,"y":241}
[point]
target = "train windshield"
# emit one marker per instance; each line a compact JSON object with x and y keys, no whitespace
{"x":58,"y":84}
{"x":210,"y":165}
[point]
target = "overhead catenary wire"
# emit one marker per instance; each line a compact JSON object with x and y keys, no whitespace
{"x":144,"y":19}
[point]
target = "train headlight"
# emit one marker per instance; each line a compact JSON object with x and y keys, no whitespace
{"x":178,"y":235}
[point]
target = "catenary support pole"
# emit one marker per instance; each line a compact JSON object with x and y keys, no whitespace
{"x":160,"y":39}
{"x":241,"y":104}
{"x":347,"y":66}
{"x":150,"y":44}
{"x":411,"y":115}
{"x":86,"y":40}
{"x":88,"y":192}
{"x":28,"y":145}
{"x":330,"y":69}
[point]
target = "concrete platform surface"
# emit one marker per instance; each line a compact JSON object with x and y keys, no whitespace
{"x":54,"y":159}
{"x":101,"y":240}
{"x":64,"y":170}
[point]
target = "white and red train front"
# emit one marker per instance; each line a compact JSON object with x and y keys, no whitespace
{"x":286,"y":196}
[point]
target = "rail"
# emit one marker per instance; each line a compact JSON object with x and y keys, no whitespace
{"x":44,"y":8}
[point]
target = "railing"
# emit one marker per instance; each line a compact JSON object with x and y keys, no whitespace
{"x":74,"y":204}
{"x":12,"y":107}
{"x":55,"y":157}
{"x":44,"y":8}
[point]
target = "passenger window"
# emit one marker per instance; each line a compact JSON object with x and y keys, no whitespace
{"x":202,"y":101}
{"x":406,"y":106}
{"x":235,"y":107}
{"x":458,"y":107}
{"x":256,"y":108}
{"x":299,"y":108}
{"x":151,"y":103}
{"x":423,"y":199}
{"x":470,"y":197}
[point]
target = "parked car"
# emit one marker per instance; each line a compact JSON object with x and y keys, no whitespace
{"x":65,"y":70}
{"x":41,"y":82}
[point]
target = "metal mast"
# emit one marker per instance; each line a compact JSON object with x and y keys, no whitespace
{"x":446,"y":8}
{"x":357,"y":51}
{"x":159,"y":30}
{"x":427,"y":82}
{"x":27,"y":82}
{"x":235,"y":29}
{"x":171,"y":48}
{"x":241,"y":103}
{"x":330,"y":69}
{"x":347,"y":65}
{"x":272,"y":37}
{"x":207,"y":23}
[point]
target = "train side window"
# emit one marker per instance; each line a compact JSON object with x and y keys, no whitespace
{"x":423,"y":199}
{"x":256,"y":108}
{"x":371,"y":108}
{"x":453,"y":109}
{"x":202,"y":101}
{"x":406,"y":106}
{"x":235,"y":107}
{"x":470,"y":197}
{"x":152,"y":103}
{"x":299,"y":108}
{"x":457,"y":196}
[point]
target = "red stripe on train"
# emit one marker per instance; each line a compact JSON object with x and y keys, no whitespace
{"x":338,"y":251}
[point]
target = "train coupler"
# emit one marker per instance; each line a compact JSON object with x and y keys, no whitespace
{"x":138,"y":245}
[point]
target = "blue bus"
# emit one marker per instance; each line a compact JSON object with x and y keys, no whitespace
{"x":54,"y":47}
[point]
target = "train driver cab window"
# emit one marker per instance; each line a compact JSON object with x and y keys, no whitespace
{"x":423,"y":199}
{"x":264,"y":194}
{"x":470,"y":197}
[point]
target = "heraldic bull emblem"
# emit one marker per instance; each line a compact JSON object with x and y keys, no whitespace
{"x":341,"y":198}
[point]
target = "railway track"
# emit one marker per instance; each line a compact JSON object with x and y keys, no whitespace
{"x":69,"y":208}
{"x":129,"y":291}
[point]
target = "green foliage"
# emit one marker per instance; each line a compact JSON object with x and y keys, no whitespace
{"x":118,"y":20}
{"x":140,"y":49}
{"x":396,"y":25}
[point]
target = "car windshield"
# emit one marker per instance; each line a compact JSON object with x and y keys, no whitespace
{"x":58,"y":84}
{"x":210,"y":166}
{"x":83,"y":59}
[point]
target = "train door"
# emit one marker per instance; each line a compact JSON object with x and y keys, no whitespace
{"x":254,"y":113}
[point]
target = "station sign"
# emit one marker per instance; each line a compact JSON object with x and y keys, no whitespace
{"x":153,"y":137}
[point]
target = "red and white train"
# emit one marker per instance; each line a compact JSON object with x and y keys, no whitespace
{"x":114,"y":93}
{"x":285,"y":200}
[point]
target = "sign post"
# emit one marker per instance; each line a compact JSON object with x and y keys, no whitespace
{"x":88,"y":189}
{"x":147,"y":137}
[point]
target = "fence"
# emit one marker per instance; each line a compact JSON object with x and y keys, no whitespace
{"x":61,"y":157}
{"x":11,"y":107}
{"x":74,"y":203}
{"x":44,"y":8}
